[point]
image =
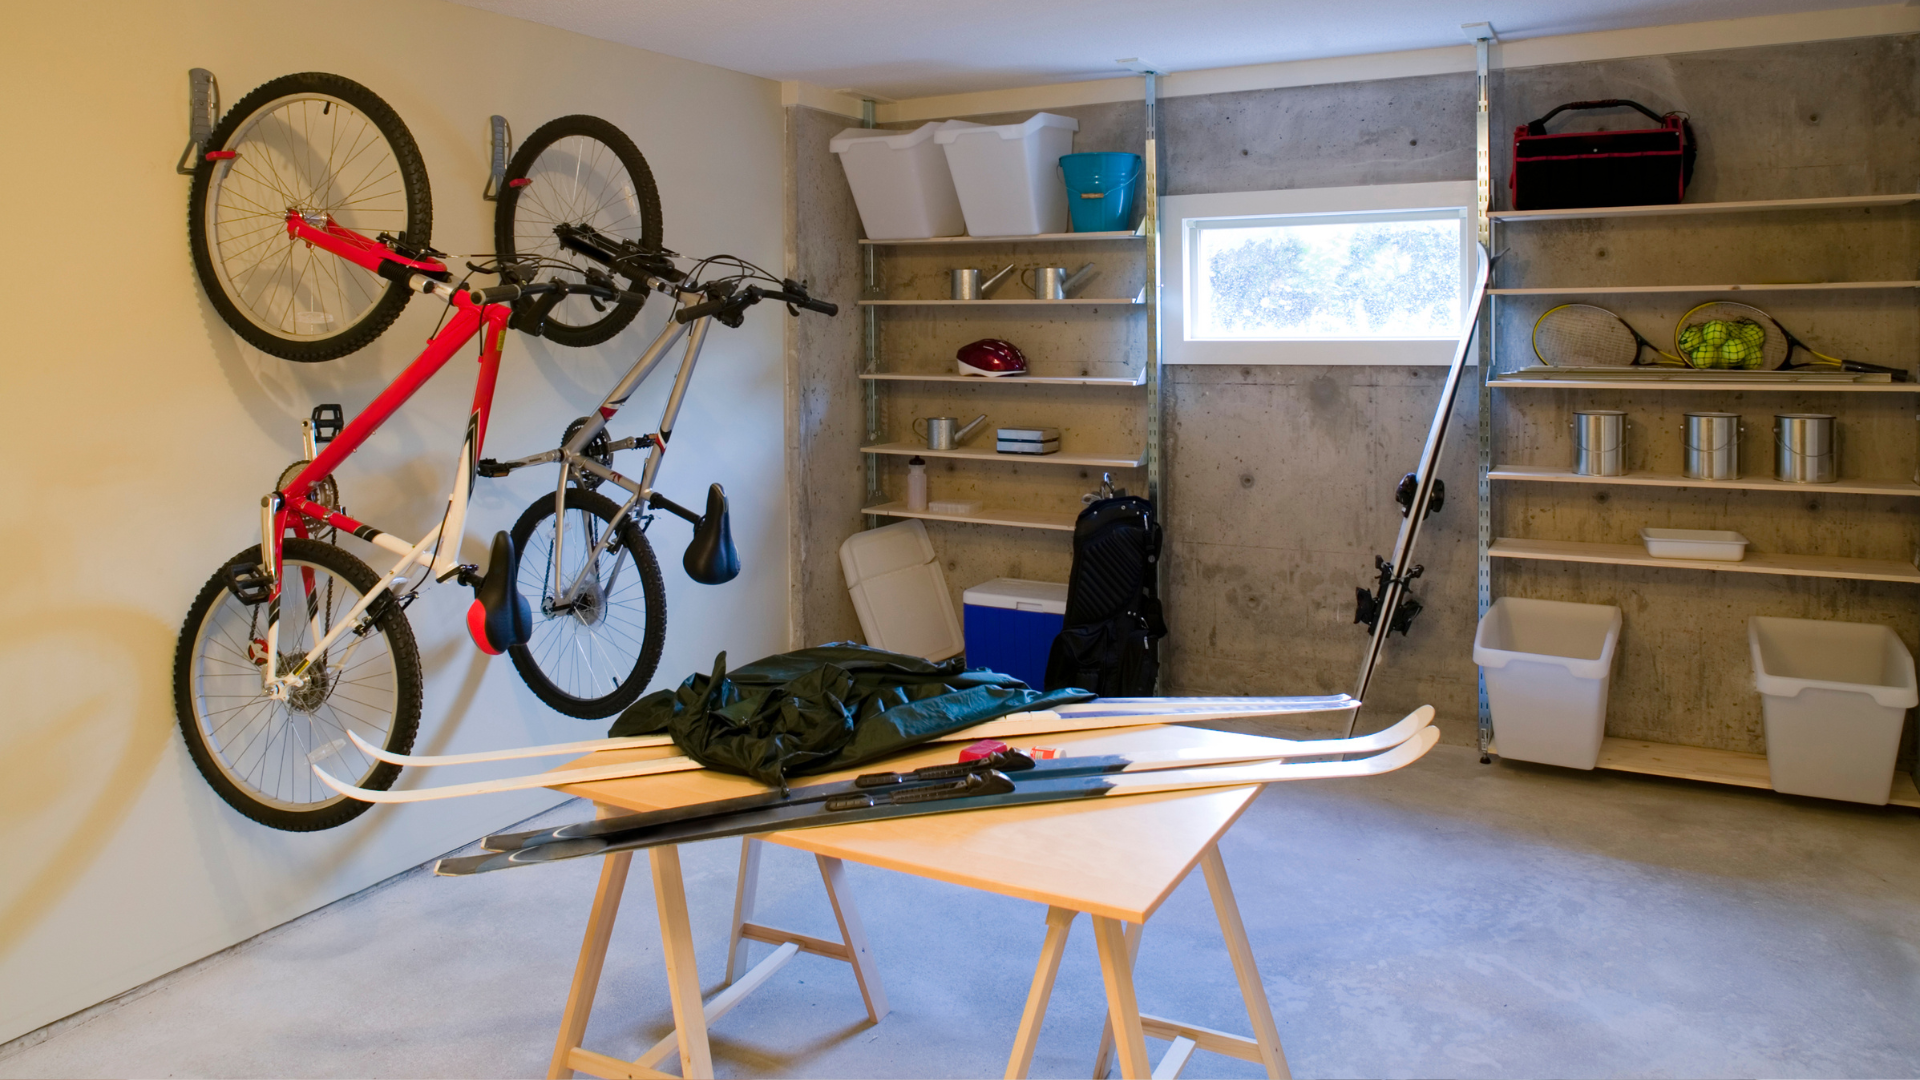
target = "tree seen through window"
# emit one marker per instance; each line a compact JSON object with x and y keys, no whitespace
{"x":1329,"y":280}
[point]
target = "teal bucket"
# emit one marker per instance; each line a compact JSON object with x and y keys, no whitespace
{"x":1100,"y":190}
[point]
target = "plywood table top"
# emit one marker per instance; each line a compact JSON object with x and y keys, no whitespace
{"x":1117,"y":857}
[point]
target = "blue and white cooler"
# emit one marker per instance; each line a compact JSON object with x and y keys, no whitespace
{"x":1011,"y":624}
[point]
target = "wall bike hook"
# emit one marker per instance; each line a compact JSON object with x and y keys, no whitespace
{"x":203,"y":111}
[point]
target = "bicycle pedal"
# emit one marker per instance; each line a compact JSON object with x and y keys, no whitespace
{"x":248,"y":582}
{"x":328,"y":420}
{"x":490,"y":467}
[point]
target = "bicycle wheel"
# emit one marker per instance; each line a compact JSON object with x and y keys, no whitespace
{"x":327,"y":148}
{"x":594,"y":658}
{"x":257,"y":752}
{"x":577,"y":170}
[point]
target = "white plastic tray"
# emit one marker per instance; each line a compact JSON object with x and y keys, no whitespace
{"x":1710,"y":545}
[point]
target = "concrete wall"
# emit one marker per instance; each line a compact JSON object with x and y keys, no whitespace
{"x":139,"y":435}
{"x":1279,"y":479}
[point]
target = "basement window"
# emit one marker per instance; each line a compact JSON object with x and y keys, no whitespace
{"x":1374,"y":275}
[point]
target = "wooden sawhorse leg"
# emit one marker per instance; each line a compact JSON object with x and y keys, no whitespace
{"x":851,"y":948}
{"x":593,"y":957}
{"x":690,"y":1019}
{"x":1119,"y":945}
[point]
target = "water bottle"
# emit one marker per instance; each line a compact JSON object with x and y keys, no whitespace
{"x":916,"y":484}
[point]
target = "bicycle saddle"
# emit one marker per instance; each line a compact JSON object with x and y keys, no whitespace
{"x":500,"y":617}
{"x":711,"y":558}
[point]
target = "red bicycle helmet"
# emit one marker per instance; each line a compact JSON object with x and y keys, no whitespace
{"x":992,"y":358}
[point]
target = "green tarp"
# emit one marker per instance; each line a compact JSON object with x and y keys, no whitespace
{"x":826,"y":708}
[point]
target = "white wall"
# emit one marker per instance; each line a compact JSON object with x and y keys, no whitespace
{"x":139,"y":435}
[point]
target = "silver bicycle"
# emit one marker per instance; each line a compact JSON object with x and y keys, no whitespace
{"x":600,"y":617}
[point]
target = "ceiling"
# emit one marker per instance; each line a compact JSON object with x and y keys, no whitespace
{"x":896,"y":49}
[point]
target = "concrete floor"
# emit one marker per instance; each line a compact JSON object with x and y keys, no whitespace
{"x":1450,"y":920}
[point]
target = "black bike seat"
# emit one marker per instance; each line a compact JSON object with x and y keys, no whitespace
{"x":500,"y":617}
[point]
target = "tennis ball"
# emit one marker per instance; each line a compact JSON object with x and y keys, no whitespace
{"x":1726,"y":345}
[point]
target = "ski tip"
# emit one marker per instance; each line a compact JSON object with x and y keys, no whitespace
{"x":514,"y":841}
{"x":378,"y":753}
{"x":1407,"y":752}
{"x":469,"y":865}
{"x":340,"y":786}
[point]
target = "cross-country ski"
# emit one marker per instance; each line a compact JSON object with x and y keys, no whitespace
{"x":1019,"y":725}
{"x":1005,"y":761}
{"x":1065,"y":718}
{"x":979,"y":791}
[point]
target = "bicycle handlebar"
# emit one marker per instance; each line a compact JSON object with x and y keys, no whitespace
{"x":505,"y":294}
{"x":750,"y":296}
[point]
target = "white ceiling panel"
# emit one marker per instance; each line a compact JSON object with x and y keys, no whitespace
{"x":896,"y":49}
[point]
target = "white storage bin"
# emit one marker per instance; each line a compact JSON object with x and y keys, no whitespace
{"x":899,"y":592}
{"x":1008,"y":176}
{"x":1548,"y":666}
{"x":900,"y":181}
{"x":1834,"y":696}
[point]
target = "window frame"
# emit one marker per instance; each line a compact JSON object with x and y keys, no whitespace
{"x":1182,"y":216}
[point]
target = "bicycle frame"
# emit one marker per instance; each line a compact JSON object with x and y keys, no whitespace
{"x":291,"y":507}
{"x":562,"y":594}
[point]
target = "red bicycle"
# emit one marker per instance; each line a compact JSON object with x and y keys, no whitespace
{"x":291,"y":171}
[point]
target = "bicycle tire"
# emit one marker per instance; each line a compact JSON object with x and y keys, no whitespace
{"x":282,"y":297}
{"x":551,"y":661}
{"x":223,"y":754}
{"x":570,"y":170}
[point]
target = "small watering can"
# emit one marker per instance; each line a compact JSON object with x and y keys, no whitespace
{"x":967,"y":284}
{"x":1053,"y":282}
{"x":945,"y":432}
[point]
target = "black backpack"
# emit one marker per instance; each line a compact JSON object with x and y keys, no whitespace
{"x":1109,"y":641}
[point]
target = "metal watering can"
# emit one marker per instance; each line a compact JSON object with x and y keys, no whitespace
{"x":967,"y":283}
{"x":945,"y":432}
{"x":1053,"y":282}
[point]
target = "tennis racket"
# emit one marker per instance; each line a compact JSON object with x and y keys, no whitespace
{"x":1582,"y":335}
{"x":1728,"y":336}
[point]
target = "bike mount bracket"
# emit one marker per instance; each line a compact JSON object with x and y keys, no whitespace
{"x":203,"y":112}
{"x":500,"y":148}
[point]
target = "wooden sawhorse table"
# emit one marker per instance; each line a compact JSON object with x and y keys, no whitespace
{"x":1115,"y":859}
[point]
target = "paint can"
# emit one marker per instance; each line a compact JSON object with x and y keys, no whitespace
{"x":1712,"y":446}
{"x":1803,"y":448}
{"x":1600,"y":442}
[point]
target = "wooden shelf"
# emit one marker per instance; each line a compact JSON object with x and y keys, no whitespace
{"x":1061,"y":521}
{"x":1844,"y":202}
{"x":1110,"y":301}
{"x":1653,"y":383}
{"x":1757,"y":483}
{"x":1103,"y":461}
{"x":1010,"y":380}
{"x":1042,"y":238}
{"x":1714,"y":766}
{"x":1820,"y":566}
{"x":1785,"y":286}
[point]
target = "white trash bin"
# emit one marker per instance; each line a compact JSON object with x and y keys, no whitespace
{"x":1008,"y":176}
{"x":1548,"y":666}
{"x":900,"y":181}
{"x":1834,"y":696}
